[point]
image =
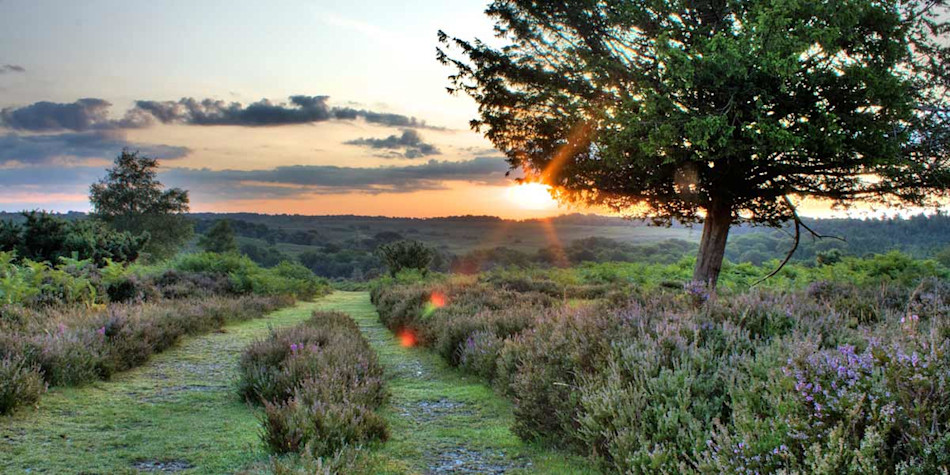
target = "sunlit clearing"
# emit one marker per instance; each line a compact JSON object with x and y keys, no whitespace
{"x":407,"y":339}
{"x":533,"y":196}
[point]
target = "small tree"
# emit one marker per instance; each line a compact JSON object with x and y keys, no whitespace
{"x":717,"y":111}
{"x":220,"y":238}
{"x":130,"y":198}
{"x":401,"y":255}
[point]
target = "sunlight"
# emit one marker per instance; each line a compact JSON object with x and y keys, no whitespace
{"x":533,"y":196}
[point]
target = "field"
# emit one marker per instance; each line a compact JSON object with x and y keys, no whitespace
{"x":610,"y":367}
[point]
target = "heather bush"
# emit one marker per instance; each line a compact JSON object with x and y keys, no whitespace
{"x":21,"y":384}
{"x":847,"y":374}
{"x":75,"y":346}
{"x":320,"y":384}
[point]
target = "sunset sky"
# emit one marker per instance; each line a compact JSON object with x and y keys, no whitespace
{"x":285,"y":106}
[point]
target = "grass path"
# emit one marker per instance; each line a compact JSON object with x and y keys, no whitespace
{"x":442,"y":421}
{"x":179,"y":412}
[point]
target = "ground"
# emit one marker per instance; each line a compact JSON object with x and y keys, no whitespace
{"x":181,"y":413}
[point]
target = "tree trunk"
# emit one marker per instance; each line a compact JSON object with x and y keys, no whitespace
{"x":712,"y":247}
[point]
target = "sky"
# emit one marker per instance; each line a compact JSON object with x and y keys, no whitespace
{"x":291,"y":106}
{"x":284,"y":106}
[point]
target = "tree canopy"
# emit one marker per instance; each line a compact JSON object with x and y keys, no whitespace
{"x":220,"y":238}
{"x":719,"y":110}
{"x":130,"y":198}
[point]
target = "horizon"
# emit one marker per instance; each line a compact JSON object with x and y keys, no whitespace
{"x":364,"y":127}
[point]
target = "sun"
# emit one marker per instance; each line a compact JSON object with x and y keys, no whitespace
{"x":533,"y":196}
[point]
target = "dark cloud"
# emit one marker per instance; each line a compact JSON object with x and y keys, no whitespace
{"x":44,"y":149}
{"x":300,"y":110}
{"x":410,"y":142}
{"x":79,"y":116}
{"x":93,"y":114}
{"x":304,"y":179}
{"x":11,"y":68}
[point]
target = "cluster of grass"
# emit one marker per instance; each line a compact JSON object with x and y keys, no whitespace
{"x":76,"y":322}
{"x":843,"y":375}
{"x":320,"y":385}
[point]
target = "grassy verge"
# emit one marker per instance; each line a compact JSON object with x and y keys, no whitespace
{"x":441,"y":420}
{"x":179,"y":411}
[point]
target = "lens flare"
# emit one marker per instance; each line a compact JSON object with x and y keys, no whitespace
{"x":437,"y":299}
{"x":407,"y":339}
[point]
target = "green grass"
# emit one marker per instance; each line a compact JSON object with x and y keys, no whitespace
{"x":439,"y":417}
{"x":181,"y":406}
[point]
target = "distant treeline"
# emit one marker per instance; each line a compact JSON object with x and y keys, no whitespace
{"x":343,"y":247}
{"x":354,"y":258}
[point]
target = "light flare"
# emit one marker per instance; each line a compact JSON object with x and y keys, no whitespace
{"x":533,"y":196}
{"x":407,"y":339}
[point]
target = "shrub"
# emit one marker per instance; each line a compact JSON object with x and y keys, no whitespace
{"x":319,"y":383}
{"x":848,"y":375}
{"x":402,"y":255}
{"x":21,"y":384}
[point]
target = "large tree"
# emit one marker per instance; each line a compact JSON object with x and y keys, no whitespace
{"x":130,"y":198}
{"x":716,"y":111}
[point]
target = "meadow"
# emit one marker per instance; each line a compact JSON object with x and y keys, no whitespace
{"x":835,"y":369}
{"x":596,"y":356}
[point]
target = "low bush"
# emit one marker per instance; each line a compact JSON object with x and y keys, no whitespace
{"x":74,"y":346}
{"x":21,"y":383}
{"x":320,"y":384}
{"x":848,"y":374}
{"x":246,"y":277}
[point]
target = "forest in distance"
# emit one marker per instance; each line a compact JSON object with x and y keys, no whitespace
{"x":343,"y":247}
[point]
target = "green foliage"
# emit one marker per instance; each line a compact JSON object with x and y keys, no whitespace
{"x":402,"y":255}
{"x":320,"y":385}
{"x":715,"y":110}
{"x":38,"y":284}
{"x":220,"y":238}
{"x":247,"y":277}
{"x":130,"y":198}
{"x":47,"y":238}
{"x":267,"y":256}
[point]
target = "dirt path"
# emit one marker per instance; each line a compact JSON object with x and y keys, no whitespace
{"x":178,"y":413}
{"x":442,"y":421}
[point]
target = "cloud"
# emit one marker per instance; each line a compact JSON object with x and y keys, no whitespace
{"x":410,"y":142}
{"x":11,"y":68}
{"x":93,"y":114}
{"x":321,"y":179}
{"x":299,"y":110}
{"x":82,"y":115}
{"x":281,"y":182}
{"x":45,"y":149}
